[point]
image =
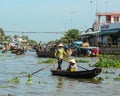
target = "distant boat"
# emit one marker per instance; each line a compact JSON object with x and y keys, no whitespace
{"x":45,"y":54}
{"x":86,"y":50}
{"x":17,"y":51}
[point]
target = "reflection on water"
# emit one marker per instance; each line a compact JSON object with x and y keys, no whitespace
{"x":94,"y":81}
{"x":60,"y":82}
{"x":45,"y":84}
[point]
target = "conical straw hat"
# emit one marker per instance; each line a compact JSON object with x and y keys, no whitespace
{"x":61,"y":45}
{"x":72,"y":61}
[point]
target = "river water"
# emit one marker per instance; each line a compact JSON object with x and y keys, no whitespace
{"x":44,"y":84}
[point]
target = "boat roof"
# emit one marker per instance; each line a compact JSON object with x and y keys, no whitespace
{"x":105,"y":32}
{"x":78,"y":42}
{"x":90,"y":47}
{"x":91,"y":33}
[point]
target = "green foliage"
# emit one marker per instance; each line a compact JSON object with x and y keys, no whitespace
{"x":108,"y":62}
{"x":107,"y":77}
{"x":107,"y":72}
{"x":82,"y":61}
{"x":29,"y":75}
{"x":32,"y":42}
{"x":70,"y":36}
{"x":23,"y":72}
{"x":29,"y":81}
{"x":48,"y":61}
{"x":16,"y":36}
{"x":24,"y":37}
{"x":3,"y":37}
{"x":2,"y":33}
{"x":15,"y":80}
{"x":117,"y":78}
{"x":6,"y":86}
{"x":99,"y":78}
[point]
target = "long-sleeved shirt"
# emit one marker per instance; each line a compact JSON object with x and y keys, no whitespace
{"x":60,"y":53}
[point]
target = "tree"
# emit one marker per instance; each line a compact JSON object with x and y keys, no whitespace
{"x":25,"y":37}
{"x":32,"y":42}
{"x":3,"y":37}
{"x":16,"y":36}
{"x":2,"y":33}
{"x":70,"y":36}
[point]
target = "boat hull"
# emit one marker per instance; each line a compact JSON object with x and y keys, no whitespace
{"x":46,"y":54}
{"x":78,"y":74}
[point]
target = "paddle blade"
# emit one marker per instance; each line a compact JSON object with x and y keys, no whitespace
{"x":29,"y":75}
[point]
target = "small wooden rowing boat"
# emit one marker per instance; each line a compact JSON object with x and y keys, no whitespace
{"x":78,"y":74}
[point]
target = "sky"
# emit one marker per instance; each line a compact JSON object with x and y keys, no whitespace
{"x":51,"y":17}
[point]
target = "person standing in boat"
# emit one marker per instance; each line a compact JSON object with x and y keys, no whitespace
{"x":72,"y":65}
{"x":60,"y":54}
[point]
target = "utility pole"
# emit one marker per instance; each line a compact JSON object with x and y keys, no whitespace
{"x":96,"y":8}
{"x":106,"y":6}
{"x":71,"y":17}
{"x":72,"y":12}
{"x":91,"y":11}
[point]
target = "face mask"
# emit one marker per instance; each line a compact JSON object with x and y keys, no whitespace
{"x":59,"y":49}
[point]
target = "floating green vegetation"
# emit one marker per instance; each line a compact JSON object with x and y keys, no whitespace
{"x":107,"y":77}
{"x":23,"y":72}
{"x":99,"y":78}
{"x":108,"y":61}
{"x":108,"y":72}
{"x":15,"y":80}
{"x":117,"y":78}
{"x":5,"y":86}
{"x":48,"y":61}
{"x":67,"y":58}
{"x":82,"y":61}
{"x":42,"y":82}
{"x":29,"y":81}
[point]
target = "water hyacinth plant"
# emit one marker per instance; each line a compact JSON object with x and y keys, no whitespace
{"x":51,"y":61}
{"x":117,"y":78}
{"x":82,"y":61}
{"x":108,"y":61}
{"x":29,"y":81}
{"x":15,"y":80}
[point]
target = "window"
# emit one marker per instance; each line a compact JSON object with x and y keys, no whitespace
{"x":116,"y":19}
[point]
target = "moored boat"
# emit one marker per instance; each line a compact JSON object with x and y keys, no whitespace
{"x":45,"y":53}
{"x":86,"y":51}
{"x":17,"y":51}
{"x":87,"y":74}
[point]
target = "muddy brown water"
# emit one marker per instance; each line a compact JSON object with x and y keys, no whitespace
{"x":45,"y":84}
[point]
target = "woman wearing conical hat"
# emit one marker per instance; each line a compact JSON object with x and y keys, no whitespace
{"x":60,"y":54}
{"x":72,"y":65}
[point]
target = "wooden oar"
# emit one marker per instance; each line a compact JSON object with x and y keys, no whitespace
{"x":29,"y":75}
{"x":82,"y":67}
{"x":69,"y":52}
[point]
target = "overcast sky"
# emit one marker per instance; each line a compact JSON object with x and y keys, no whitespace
{"x":51,"y":15}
